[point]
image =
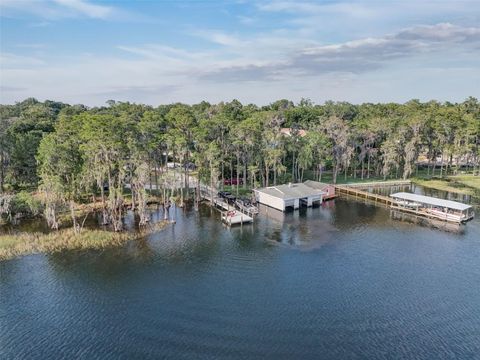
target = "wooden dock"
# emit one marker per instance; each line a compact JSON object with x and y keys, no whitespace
{"x":389,"y":202}
{"x":378,"y":183}
{"x":218,"y":202}
{"x":347,"y":190}
{"x":230,"y":214}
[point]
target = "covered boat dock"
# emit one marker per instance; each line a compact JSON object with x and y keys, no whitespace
{"x":282,"y":197}
{"x":431,"y":207}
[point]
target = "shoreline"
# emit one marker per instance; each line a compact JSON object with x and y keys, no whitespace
{"x":459,"y":184}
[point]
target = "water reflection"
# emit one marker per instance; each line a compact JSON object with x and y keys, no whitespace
{"x":345,"y":279}
{"x":433,"y":223}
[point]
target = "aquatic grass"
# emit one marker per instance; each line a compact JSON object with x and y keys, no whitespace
{"x":17,"y":244}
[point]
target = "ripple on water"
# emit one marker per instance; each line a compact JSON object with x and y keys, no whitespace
{"x":363,"y":285}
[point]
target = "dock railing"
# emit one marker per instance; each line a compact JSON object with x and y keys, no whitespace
{"x":347,"y":190}
{"x":210,"y":194}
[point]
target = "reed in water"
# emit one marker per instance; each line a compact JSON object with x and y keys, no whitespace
{"x":17,"y":244}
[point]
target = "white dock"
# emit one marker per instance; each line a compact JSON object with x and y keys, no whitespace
{"x":230,"y":214}
{"x":235,"y":217}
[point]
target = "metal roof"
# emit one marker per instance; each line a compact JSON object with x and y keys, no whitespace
{"x":316,"y":184}
{"x":292,"y":191}
{"x":431,"y":201}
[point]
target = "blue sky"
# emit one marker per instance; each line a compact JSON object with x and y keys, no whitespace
{"x":158,"y":52}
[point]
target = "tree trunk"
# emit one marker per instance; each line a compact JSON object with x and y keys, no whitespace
{"x":166,"y":159}
{"x":245,"y":175}
{"x":156,"y":178}
{"x":165,"y":204}
{"x":441,"y":166}
{"x":266,"y":175}
{"x":104,"y":206}
{"x":368,"y":167}
{"x":173,"y":212}
{"x":187,"y":176}
{"x":275,"y":174}
{"x":149,"y":163}
{"x":76,"y":229}
{"x":238,"y":161}
{"x":434,"y":163}
{"x":293,"y":167}
{"x":133,"y":191}
{"x":2,"y":172}
{"x":223,"y":176}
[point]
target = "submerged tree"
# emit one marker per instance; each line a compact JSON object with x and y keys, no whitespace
{"x":60,"y":167}
{"x":74,"y":154}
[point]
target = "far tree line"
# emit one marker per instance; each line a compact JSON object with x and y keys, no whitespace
{"x":71,"y":153}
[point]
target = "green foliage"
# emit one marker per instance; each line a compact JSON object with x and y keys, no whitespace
{"x":72,"y":153}
{"x":27,"y":204}
{"x":21,"y":204}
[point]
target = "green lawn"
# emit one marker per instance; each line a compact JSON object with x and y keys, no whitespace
{"x":463,"y":184}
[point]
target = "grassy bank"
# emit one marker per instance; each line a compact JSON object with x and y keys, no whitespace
{"x":13,"y":245}
{"x":462,"y":184}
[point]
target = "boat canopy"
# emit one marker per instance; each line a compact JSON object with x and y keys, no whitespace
{"x":431,"y":201}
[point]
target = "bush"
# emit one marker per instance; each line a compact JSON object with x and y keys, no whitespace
{"x":23,"y":204}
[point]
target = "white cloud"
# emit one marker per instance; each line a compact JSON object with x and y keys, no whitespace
{"x":359,"y":55}
{"x":86,"y":8}
{"x":61,"y":9}
{"x":269,"y":66}
{"x":14,"y":61}
{"x":340,"y":19}
{"x":246,"y":20}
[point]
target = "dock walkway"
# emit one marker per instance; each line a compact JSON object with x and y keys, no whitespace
{"x":393,"y":203}
{"x":231,"y":215}
{"x":378,"y":183}
{"x":347,"y":190}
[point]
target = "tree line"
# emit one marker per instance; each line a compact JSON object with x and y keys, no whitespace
{"x":73,"y":154}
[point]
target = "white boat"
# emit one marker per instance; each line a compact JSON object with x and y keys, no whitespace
{"x":234,"y":217}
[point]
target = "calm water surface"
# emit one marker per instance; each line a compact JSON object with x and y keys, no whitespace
{"x":344,"y":280}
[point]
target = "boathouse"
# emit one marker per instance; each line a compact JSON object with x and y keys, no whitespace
{"x":328,"y":189}
{"x":290,"y":195}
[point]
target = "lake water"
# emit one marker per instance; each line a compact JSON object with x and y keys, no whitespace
{"x":344,"y":280}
